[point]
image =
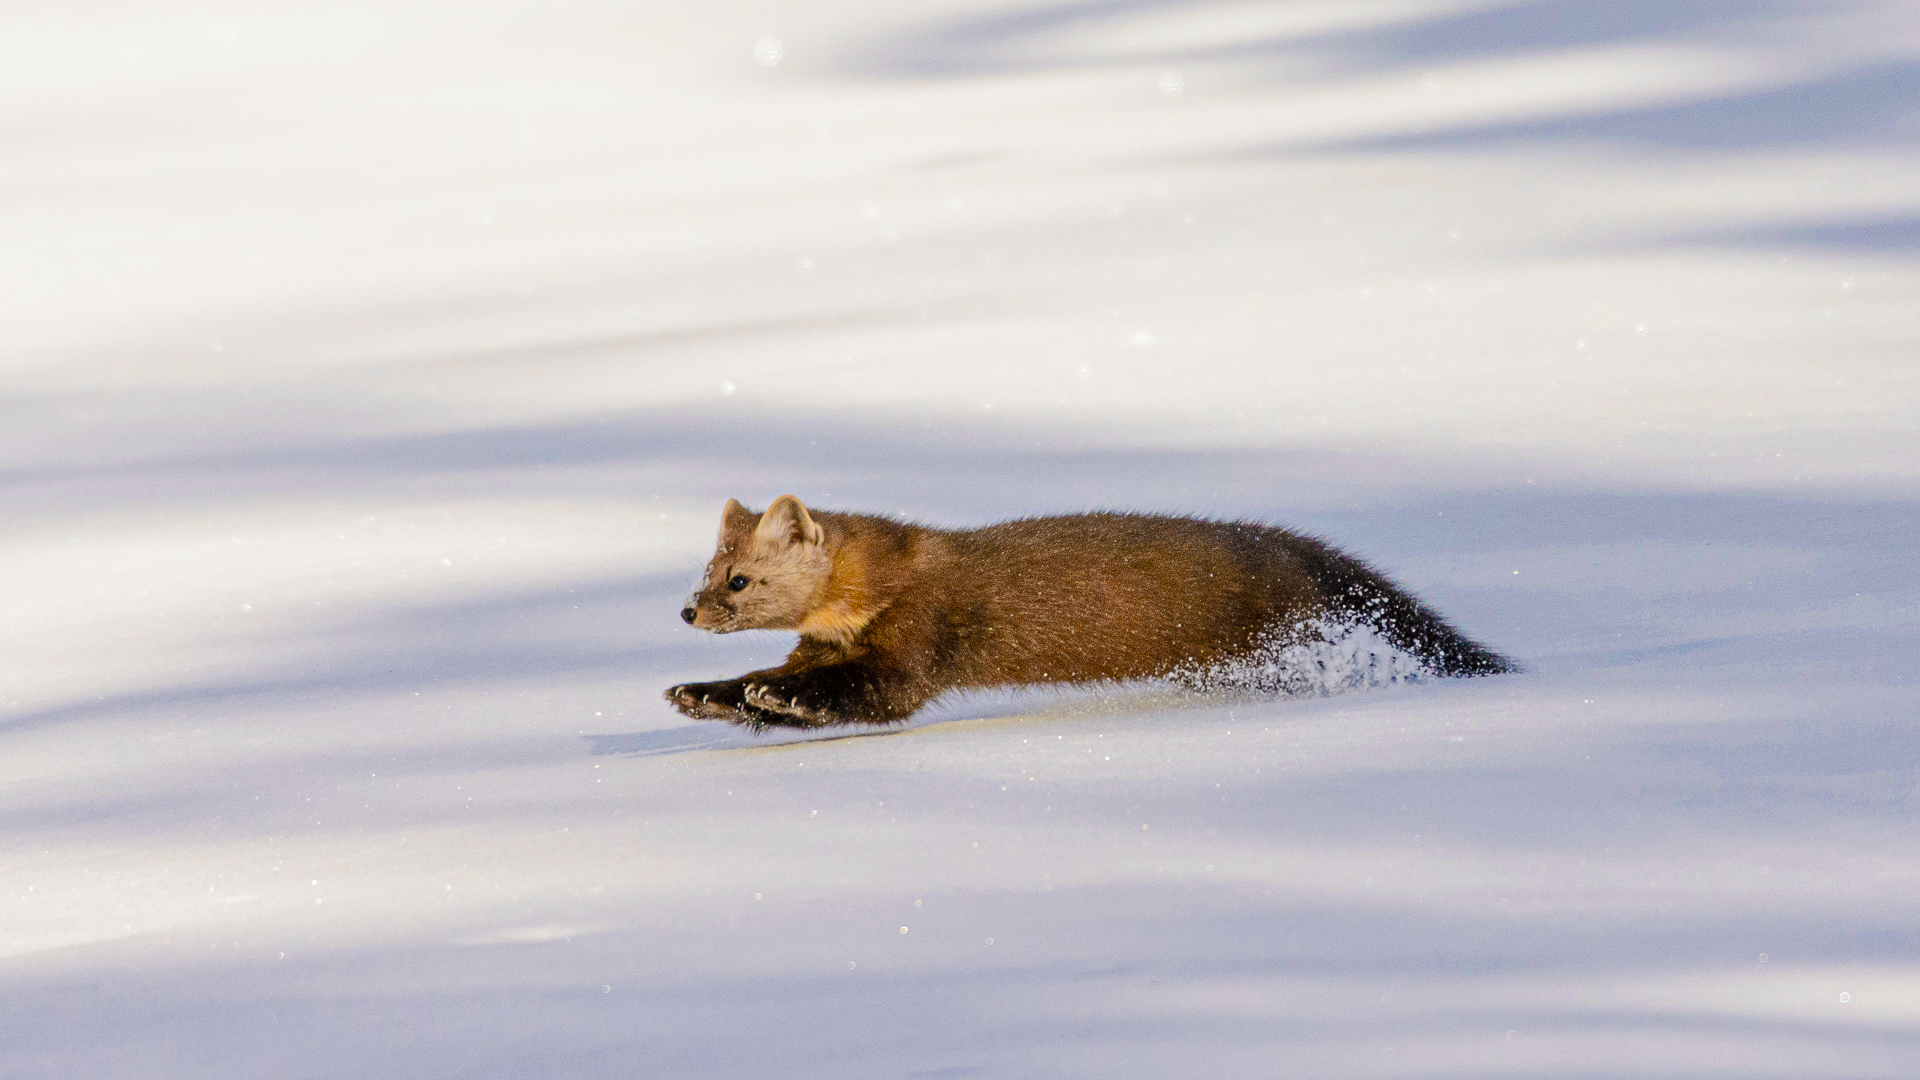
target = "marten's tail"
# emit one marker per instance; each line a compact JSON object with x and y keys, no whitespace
{"x":1357,"y":592}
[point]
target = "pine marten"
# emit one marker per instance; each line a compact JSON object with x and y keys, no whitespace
{"x":892,"y":615}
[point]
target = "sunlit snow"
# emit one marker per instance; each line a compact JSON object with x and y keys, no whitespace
{"x":372,"y":377}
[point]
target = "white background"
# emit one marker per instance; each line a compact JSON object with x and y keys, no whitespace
{"x":372,"y":376}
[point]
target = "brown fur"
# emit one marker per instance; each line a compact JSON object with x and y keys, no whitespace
{"x":892,"y":615}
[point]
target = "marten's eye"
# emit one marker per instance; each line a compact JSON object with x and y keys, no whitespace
{"x":737,"y":582}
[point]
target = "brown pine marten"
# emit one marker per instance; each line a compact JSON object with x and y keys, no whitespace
{"x":893,"y":615}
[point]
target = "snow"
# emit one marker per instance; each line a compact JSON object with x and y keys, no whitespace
{"x":374,"y":376}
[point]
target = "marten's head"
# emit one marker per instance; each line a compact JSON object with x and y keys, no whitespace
{"x":769,"y":572}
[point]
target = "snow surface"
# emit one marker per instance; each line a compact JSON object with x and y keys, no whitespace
{"x":374,"y":375}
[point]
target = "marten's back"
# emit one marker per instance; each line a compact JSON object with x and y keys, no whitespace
{"x":1121,"y":596}
{"x":1106,"y":596}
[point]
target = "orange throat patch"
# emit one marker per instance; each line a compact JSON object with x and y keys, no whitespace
{"x":838,"y":622}
{"x":845,"y":611}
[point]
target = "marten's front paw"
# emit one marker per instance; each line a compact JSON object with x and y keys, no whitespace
{"x":788,"y":711}
{"x":708,"y":701}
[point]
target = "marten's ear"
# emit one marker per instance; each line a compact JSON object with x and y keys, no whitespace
{"x":736,"y":523}
{"x":787,"y":522}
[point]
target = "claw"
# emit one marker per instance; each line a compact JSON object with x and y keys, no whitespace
{"x":796,"y":714}
{"x":699,"y":705}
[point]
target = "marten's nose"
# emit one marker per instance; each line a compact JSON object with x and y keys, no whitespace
{"x":688,"y":614}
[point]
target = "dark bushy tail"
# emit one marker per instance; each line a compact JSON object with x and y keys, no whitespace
{"x":1357,"y":592}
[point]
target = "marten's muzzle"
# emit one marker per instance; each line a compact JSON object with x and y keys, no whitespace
{"x":704,"y":613}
